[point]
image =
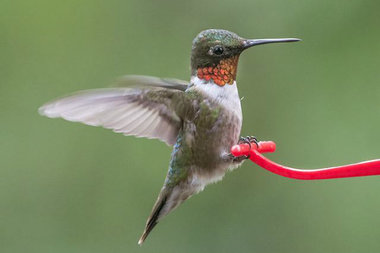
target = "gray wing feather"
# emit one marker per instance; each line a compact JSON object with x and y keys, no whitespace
{"x":151,"y":81}
{"x":138,"y":112}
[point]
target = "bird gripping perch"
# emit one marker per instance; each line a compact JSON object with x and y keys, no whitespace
{"x":367,"y":168}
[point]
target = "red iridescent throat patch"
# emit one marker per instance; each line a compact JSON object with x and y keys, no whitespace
{"x":221,"y":74}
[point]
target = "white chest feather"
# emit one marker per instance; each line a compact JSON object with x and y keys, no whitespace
{"x":226,"y":95}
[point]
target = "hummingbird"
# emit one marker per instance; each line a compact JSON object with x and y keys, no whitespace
{"x":201,"y":119}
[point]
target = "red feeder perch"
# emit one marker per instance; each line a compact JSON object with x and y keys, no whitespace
{"x":367,"y":168}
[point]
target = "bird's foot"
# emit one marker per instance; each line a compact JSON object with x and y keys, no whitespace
{"x":243,"y":140}
{"x":249,"y":140}
{"x":239,"y":159}
{"x":246,"y":140}
{"x":235,"y":159}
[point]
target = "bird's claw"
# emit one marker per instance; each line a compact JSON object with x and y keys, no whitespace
{"x":248,"y":140}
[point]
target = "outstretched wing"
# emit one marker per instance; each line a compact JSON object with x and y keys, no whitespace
{"x":151,"y":81}
{"x":144,"y":112}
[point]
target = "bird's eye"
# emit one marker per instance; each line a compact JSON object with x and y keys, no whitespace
{"x":218,"y":50}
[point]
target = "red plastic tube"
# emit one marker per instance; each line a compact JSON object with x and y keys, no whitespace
{"x":367,"y":168}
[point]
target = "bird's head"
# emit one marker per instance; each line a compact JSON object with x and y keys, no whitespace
{"x":215,"y":54}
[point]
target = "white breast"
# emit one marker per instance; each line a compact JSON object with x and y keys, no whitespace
{"x":226,"y":95}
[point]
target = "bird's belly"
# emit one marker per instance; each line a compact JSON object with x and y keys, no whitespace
{"x":212,"y":143}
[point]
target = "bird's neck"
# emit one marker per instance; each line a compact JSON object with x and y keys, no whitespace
{"x":218,"y":82}
{"x":226,"y":95}
{"x":222,"y":73}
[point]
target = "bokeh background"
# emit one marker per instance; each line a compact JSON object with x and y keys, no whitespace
{"x":67,"y":187}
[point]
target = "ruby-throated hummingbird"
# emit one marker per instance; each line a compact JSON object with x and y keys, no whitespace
{"x":201,"y":119}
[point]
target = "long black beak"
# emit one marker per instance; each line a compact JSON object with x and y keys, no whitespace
{"x":251,"y":43}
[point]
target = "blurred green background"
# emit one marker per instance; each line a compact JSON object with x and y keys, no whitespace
{"x":67,"y":187}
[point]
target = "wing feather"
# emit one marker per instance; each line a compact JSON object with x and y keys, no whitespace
{"x":151,"y":81}
{"x":145,"y":112}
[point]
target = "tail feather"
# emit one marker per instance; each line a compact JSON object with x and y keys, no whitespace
{"x":153,"y":218}
{"x":168,"y":199}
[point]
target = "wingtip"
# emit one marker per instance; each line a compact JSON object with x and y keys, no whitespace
{"x":41,"y":110}
{"x":47,"y":110}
